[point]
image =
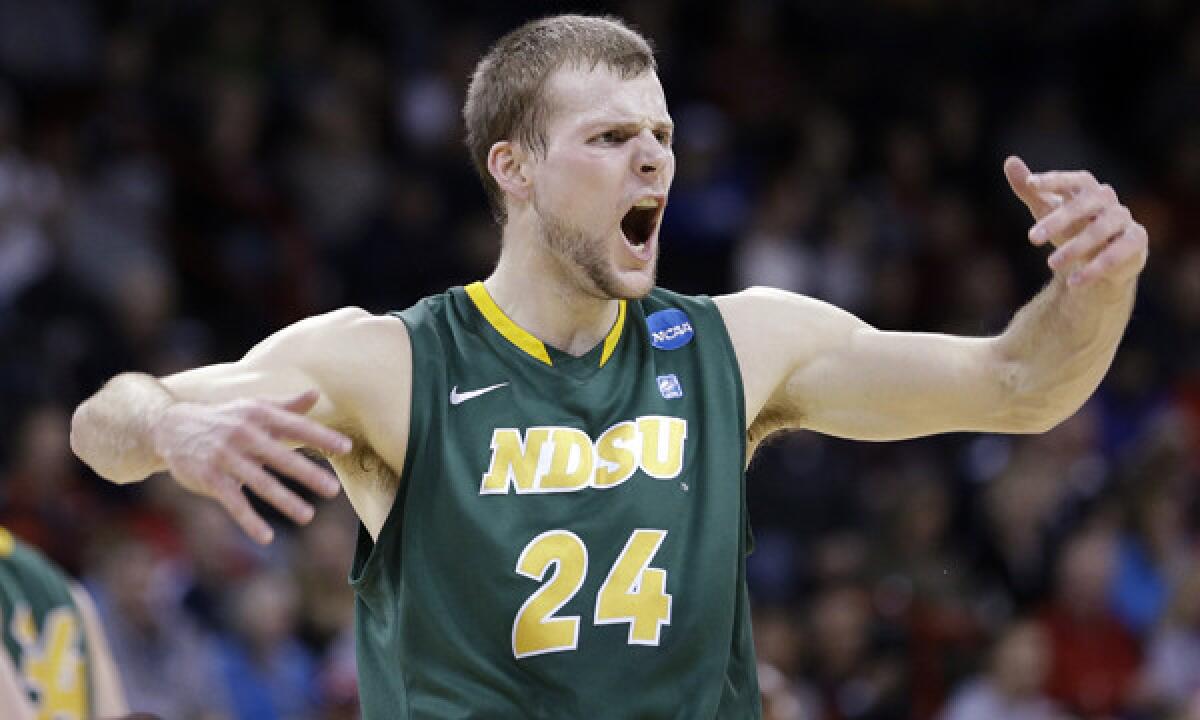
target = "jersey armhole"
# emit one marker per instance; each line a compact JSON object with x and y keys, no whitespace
{"x":739,"y":389}
{"x":369,"y":555}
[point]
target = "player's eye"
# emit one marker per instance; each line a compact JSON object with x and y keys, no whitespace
{"x":611,"y":137}
{"x":663,"y":136}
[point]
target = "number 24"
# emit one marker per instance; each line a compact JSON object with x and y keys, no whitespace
{"x":633,"y":592}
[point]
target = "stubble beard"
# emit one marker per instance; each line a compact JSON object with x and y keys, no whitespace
{"x":587,"y":256}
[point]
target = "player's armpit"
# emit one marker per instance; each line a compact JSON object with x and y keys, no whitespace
{"x":807,"y":364}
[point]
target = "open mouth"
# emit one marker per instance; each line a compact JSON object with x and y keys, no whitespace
{"x":641,"y":220}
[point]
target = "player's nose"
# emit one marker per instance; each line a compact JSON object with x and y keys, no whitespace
{"x":652,"y":156}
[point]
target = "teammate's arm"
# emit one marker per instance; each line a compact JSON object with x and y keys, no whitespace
{"x":106,"y":681}
{"x":214,"y":428}
{"x":13,"y":697}
{"x":808,"y":364}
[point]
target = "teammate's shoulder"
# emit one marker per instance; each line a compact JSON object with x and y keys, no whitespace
{"x":28,"y":563}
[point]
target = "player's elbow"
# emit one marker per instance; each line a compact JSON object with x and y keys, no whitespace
{"x":1029,"y":406}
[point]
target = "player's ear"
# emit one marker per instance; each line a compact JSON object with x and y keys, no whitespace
{"x":506,"y":161}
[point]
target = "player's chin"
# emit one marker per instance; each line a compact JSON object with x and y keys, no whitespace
{"x":636,"y":284}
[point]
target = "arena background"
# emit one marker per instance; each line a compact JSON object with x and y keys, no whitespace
{"x":179,"y":179}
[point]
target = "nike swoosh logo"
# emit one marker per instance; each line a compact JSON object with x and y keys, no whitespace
{"x":457,"y":398}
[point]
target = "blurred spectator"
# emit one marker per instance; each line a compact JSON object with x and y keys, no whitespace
{"x":1153,"y":555}
{"x":169,"y":665}
{"x":1172,"y":677}
{"x":774,"y":254}
{"x":780,"y":701}
{"x":857,"y":671}
{"x":781,"y":647}
{"x":322,"y":564}
{"x":1095,"y":657}
{"x":267,"y":673}
{"x":1011,"y":687}
{"x":31,"y":203}
{"x":46,"y":500}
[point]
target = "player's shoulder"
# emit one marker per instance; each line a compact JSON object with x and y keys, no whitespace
{"x":765,"y":306}
{"x":29,"y":566}
{"x":337,"y":342}
{"x":346,"y":323}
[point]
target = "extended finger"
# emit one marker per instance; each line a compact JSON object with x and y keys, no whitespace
{"x":1125,"y":249}
{"x":294,"y":465}
{"x":301,"y":403}
{"x":1091,"y":239}
{"x":1019,"y":175}
{"x":270,"y":489}
{"x":284,"y":423}
{"x":239,"y":508}
{"x":1075,"y":211}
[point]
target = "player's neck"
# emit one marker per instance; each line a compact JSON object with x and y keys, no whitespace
{"x":537,"y":293}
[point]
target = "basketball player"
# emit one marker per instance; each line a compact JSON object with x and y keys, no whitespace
{"x":54,"y":660}
{"x":548,"y":465}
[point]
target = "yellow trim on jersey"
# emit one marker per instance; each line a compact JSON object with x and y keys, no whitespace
{"x":610,"y":342}
{"x":521,"y":337}
{"x":511,"y":331}
{"x":7,"y":543}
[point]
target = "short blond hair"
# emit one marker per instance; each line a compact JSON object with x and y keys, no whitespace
{"x":506,"y":100}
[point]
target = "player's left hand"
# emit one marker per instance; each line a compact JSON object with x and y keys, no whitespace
{"x":1095,"y":236}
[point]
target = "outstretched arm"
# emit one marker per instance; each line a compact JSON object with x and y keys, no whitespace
{"x":808,"y":364}
{"x":215,"y":428}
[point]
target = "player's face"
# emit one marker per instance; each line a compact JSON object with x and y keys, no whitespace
{"x":600,"y":188}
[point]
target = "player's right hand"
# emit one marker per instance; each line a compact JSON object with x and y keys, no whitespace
{"x":214,"y":450}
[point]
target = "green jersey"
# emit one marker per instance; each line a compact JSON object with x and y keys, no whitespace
{"x":43,"y":633}
{"x":569,"y":535}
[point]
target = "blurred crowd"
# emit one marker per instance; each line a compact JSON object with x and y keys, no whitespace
{"x":178,"y":180}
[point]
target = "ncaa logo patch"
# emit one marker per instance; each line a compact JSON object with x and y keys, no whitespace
{"x":669,"y":387}
{"x":670,"y":329}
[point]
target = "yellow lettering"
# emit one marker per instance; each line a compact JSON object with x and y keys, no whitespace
{"x":563,"y":459}
{"x":513,"y":461}
{"x":572,"y":461}
{"x":662,"y":445}
{"x":617,"y":456}
{"x":52,"y":664}
{"x":636,"y":593}
{"x":536,"y":629}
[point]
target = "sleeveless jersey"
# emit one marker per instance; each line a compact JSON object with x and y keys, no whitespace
{"x":43,"y":633}
{"x":569,"y":535}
